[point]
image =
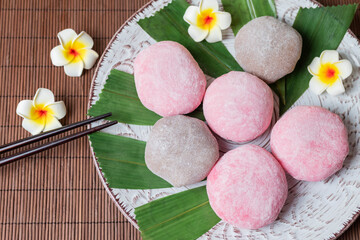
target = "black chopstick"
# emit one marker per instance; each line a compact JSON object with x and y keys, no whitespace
{"x":54,"y":144}
{"x":38,"y":137}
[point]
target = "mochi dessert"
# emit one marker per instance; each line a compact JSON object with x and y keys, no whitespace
{"x":238,"y":106}
{"x":310,"y":142}
{"x":268,"y":48}
{"x":181,"y":150}
{"x":247,"y":187}
{"x":168,"y":79}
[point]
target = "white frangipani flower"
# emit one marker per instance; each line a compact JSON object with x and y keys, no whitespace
{"x":206,"y":22}
{"x":74,"y":53}
{"x":42,"y":113}
{"x":328,"y":73}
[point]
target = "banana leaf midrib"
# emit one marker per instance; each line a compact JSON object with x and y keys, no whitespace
{"x":123,"y":161}
{"x":122,"y":95}
{"x":177,"y":216}
{"x":251,"y":8}
{"x":198,"y":44}
{"x":172,"y":215}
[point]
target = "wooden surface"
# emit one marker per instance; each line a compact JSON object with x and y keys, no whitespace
{"x":57,"y":194}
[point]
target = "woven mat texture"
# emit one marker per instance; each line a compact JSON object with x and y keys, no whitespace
{"x":57,"y":194}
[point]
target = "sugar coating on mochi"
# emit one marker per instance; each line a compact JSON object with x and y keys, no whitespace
{"x":311,"y":143}
{"x":247,"y":187}
{"x":238,"y":106}
{"x":168,"y":79}
{"x":268,"y":48}
{"x":181,"y":150}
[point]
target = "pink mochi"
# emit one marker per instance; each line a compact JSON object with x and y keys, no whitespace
{"x":247,"y":187}
{"x":238,"y":106}
{"x":168,"y":79}
{"x":311,"y":143}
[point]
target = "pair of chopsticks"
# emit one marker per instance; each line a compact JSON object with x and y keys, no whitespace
{"x":35,"y":138}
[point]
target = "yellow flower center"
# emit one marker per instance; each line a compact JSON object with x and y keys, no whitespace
{"x":73,"y":51}
{"x":39,"y":113}
{"x":206,"y":19}
{"x":328,"y":73}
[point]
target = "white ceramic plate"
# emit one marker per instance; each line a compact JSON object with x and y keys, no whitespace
{"x":313,"y":210}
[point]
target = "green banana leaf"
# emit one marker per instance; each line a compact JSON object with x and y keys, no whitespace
{"x":321,"y":29}
{"x":168,"y":24}
{"x":122,"y":162}
{"x":243,"y":11}
{"x":119,"y":96}
{"x":185,"y":215}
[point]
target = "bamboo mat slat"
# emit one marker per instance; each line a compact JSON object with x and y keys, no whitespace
{"x":57,"y":194}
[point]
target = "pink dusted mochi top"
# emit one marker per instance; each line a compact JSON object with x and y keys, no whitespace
{"x":168,"y":79}
{"x":238,"y":106}
{"x":310,"y":142}
{"x":247,"y":187}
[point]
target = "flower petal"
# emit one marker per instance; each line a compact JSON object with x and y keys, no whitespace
{"x":197,"y":33}
{"x":66,"y":37}
{"x":34,"y":127}
{"x":206,"y":4}
{"x":59,"y":56}
{"x":314,"y":67}
{"x":58,"y":109}
{"x":215,"y":35}
{"x":329,"y":56}
{"x":24,"y":109}
{"x":51,"y":123}
{"x":74,"y":68}
{"x":43,"y":96}
{"x":345,"y":68}
{"x":89,"y":57}
{"x":317,"y":86}
{"x":223,"y":20}
{"x":83,"y":40}
{"x":336,"y":88}
{"x":191,"y":15}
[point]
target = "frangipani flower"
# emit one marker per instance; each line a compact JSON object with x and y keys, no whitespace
{"x":74,"y":53}
{"x":42,"y":113}
{"x":206,"y":22}
{"x":328,"y":73}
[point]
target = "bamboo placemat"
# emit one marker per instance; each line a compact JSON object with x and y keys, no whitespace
{"x":57,"y":194}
